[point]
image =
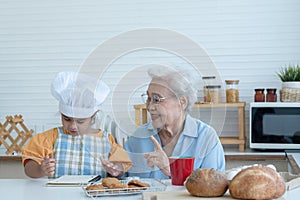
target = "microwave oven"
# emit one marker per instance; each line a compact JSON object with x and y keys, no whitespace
{"x":274,"y":125}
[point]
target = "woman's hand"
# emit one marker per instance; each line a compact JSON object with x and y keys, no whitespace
{"x":114,"y":169}
{"x":158,"y":158}
{"x":48,"y":166}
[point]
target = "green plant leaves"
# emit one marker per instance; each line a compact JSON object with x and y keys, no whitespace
{"x":289,"y":73}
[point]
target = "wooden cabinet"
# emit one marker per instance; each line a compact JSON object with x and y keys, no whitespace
{"x":11,"y":167}
{"x":240,"y":139}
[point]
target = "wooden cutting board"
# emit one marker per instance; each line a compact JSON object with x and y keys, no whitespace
{"x":181,"y":194}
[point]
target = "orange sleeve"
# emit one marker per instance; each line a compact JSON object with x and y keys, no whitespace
{"x":40,"y":145}
{"x":118,"y":154}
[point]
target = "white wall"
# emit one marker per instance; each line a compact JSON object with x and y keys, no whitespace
{"x":247,"y":40}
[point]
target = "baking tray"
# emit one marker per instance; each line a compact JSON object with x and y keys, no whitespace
{"x":155,"y":185}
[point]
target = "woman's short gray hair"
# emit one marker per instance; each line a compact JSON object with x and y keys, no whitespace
{"x":177,"y":81}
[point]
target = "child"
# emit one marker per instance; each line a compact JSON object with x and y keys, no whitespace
{"x":75,"y":148}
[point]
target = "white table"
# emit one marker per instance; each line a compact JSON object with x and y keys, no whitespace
{"x":31,"y":189}
{"x":36,"y":189}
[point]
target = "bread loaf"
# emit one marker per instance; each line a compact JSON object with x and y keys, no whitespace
{"x":257,"y":182}
{"x":206,"y":183}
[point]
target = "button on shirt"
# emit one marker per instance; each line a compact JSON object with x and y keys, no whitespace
{"x":198,"y":140}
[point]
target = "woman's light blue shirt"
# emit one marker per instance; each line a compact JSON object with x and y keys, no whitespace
{"x":198,"y":140}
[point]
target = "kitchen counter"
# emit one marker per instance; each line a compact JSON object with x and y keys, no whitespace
{"x":230,"y":154}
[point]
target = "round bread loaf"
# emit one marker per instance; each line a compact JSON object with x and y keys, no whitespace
{"x":257,"y":182}
{"x":206,"y":183}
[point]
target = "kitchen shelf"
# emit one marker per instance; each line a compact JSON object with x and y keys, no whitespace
{"x":240,"y":140}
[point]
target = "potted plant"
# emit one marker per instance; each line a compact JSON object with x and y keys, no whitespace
{"x":290,"y":77}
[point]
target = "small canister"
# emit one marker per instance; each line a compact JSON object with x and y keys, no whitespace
{"x":232,"y":92}
{"x":213,"y":94}
{"x":271,"y":95}
{"x":259,"y":95}
{"x":207,"y":80}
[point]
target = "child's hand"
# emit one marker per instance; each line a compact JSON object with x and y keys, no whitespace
{"x":114,"y":169}
{"x":48,"y":166}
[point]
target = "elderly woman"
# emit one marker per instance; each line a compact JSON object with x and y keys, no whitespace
{"x":172,"y":131}
{"x":76,"y":147}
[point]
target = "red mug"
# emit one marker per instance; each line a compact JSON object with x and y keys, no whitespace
{"x":181,"y":167}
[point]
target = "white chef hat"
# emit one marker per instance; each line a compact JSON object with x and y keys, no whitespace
{"x":79,"y":95}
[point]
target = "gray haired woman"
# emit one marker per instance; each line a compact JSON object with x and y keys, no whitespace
{"x":172,"y":131}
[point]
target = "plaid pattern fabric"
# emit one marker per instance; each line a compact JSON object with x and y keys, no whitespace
{"x":79,"y":155}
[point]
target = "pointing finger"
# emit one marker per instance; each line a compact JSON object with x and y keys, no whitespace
{"x":102,"y":160}
{"x":155,"y":142}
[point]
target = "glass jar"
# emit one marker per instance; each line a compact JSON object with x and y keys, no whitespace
{"x":207,"y":80}
{"x":199,"y":97}
{"x":232,"y":92}
{"x":271,"y":95}
{"x":213,"y":94}
{"x":259,"y":95}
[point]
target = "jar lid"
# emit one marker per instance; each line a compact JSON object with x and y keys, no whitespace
{"x":208,"y":77}
{"x":259,"y":89}
{"x":212,"y":86}
{"x":232,"y":81}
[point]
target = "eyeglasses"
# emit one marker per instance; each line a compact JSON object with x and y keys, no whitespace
{"x":154,"y":99}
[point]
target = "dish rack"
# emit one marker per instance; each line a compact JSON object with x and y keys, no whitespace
{"x":155,"y":185}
